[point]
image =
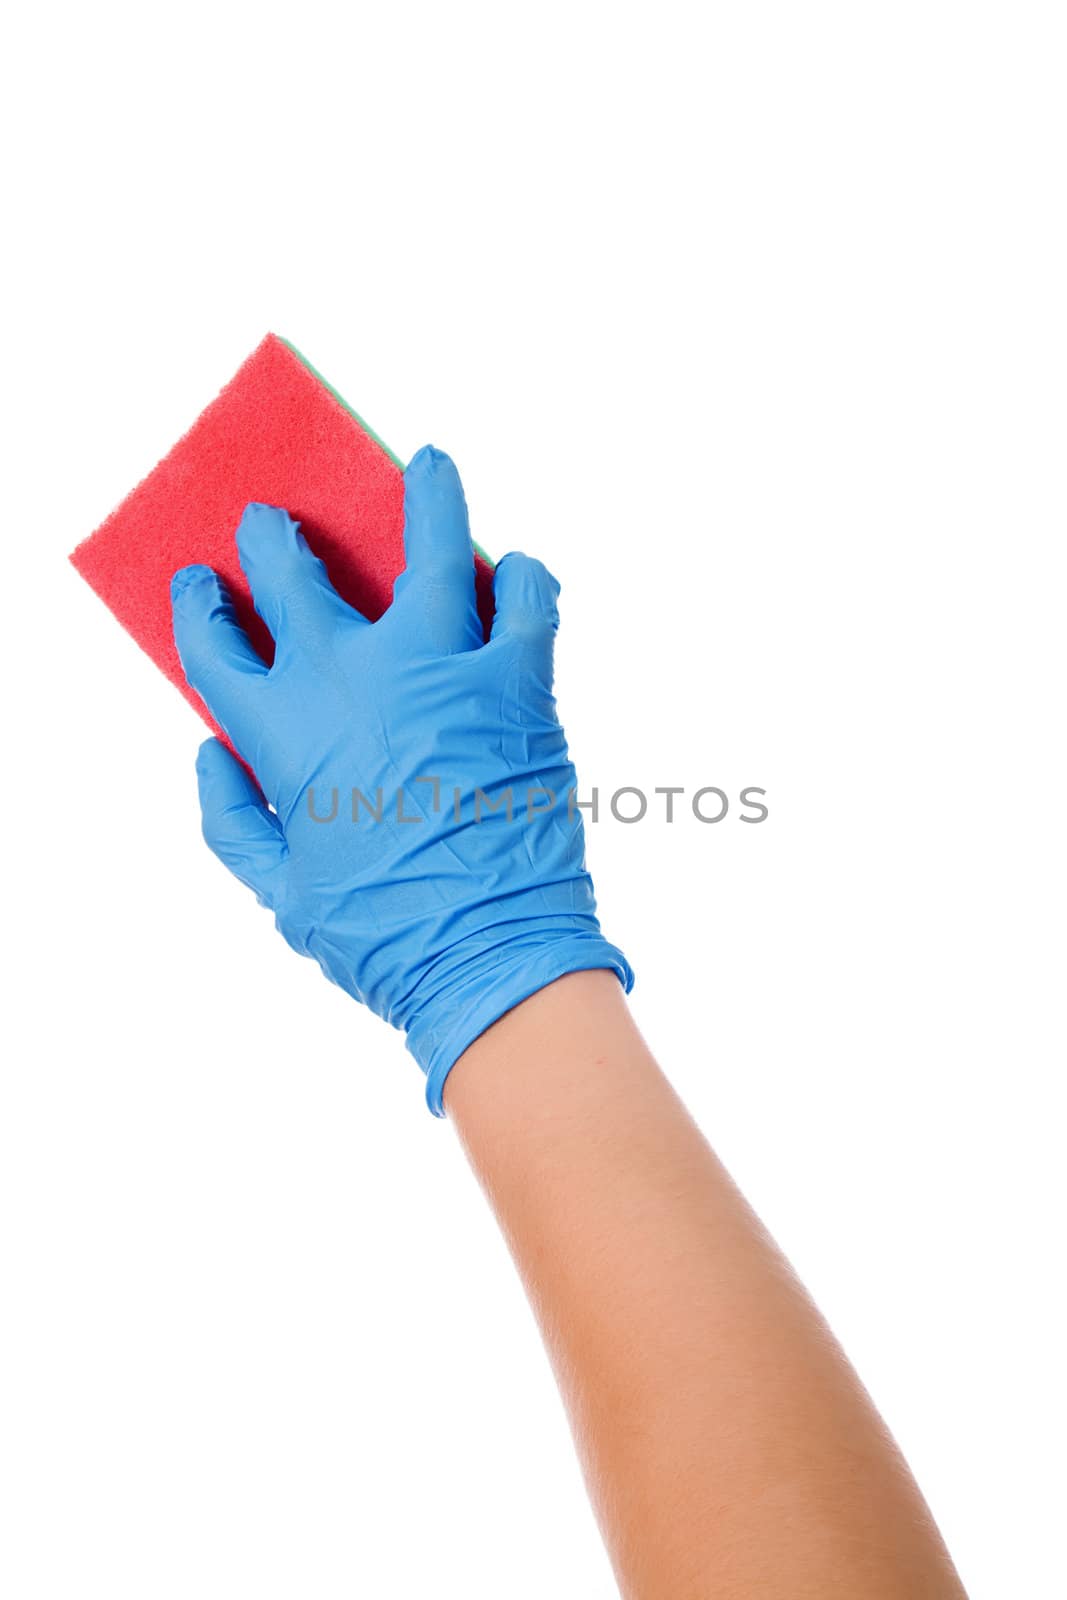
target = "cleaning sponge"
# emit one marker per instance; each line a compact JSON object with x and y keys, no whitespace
{"x":277,"y":433}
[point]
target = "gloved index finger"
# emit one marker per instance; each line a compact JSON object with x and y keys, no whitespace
{"x":217,"y":656}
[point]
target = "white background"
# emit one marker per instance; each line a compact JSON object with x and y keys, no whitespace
{"x":750,"y":321}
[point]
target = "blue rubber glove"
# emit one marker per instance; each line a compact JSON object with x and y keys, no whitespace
{"x":443,"y":914}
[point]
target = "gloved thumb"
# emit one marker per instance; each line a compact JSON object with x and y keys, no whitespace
{"x":238,"y":825}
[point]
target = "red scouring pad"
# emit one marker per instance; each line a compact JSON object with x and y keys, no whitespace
{"x":277,"y":434}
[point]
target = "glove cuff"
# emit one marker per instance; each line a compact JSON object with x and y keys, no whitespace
{"x":438,"y":1042}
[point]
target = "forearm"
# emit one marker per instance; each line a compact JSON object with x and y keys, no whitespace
{"x":728,"y":1446}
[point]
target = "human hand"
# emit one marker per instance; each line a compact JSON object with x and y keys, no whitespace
{"x":380,"y":750}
